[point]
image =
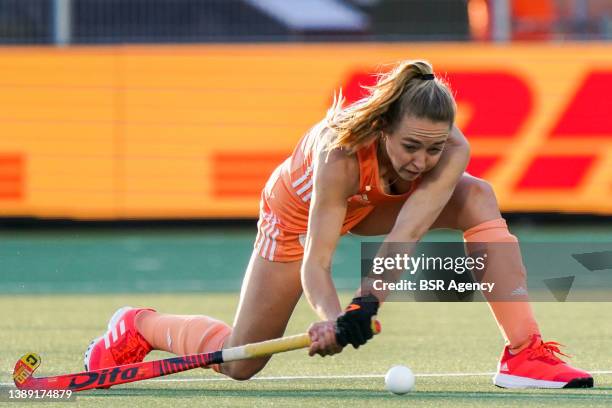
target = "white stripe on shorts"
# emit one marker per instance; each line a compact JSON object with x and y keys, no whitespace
{"x":268,"y":236}
{"x":274,"y":235}
{"x":266,"y":217}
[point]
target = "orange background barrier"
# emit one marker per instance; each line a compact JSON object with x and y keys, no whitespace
{"x":193,"y":131}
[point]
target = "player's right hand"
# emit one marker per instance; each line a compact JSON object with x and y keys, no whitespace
{"x":323,"y":339}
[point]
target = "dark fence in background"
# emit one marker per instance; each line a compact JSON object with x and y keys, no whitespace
{"x":188,"y":21}
{"x":163,"y":21}
{"x":26,"y":21}
{"x":144,"y":21}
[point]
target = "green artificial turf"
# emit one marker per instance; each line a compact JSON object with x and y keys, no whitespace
{"x":59,"y":288}
{"x":430,"y":338}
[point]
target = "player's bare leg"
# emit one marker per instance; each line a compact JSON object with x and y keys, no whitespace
{"x":270,"y":291}
{"x":269,"y":294}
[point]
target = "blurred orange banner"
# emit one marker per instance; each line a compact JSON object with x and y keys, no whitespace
{"x":193,"y":131}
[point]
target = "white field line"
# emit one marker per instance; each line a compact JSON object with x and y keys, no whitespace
{"x":314,"y":377}
{"x":325,"y":377}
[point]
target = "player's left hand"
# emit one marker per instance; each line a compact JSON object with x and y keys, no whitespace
{"x":323,"y":339}
{"x":356,"y":325}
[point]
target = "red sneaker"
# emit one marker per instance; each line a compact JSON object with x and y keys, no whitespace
{"x":538,"y":366}
{"x":121,"y":344}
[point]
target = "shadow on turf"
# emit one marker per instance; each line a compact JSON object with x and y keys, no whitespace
{"x":338,"y":393}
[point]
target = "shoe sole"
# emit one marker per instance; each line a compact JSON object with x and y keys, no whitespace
{"x":580,"y":383}
{"x":112,"y":322}
{"x":513,"y":381}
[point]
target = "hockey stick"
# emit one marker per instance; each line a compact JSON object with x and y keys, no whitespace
{"x":107,"y":377}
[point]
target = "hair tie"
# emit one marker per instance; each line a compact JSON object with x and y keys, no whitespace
{"x":426,"y":77}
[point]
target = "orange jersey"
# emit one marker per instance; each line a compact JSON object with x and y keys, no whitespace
{"x":285,"y":200}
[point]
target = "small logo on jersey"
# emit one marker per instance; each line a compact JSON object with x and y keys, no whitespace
{"x":361,"y":199}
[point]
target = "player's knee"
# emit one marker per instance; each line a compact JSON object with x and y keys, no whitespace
{"x":241,"y":375}
{"x":476,"y":202}
{"x":242,"y":371}
{"x":480,"y":194}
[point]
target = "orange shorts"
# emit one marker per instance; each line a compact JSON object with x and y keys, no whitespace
{"x":275,"y":243}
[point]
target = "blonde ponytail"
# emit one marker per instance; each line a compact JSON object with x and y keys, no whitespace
{"x":406,"y":90}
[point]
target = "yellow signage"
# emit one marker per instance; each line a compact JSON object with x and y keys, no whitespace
{"x":194,"y":131}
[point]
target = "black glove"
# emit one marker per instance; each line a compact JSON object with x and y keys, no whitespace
{"x":354,"y":326}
